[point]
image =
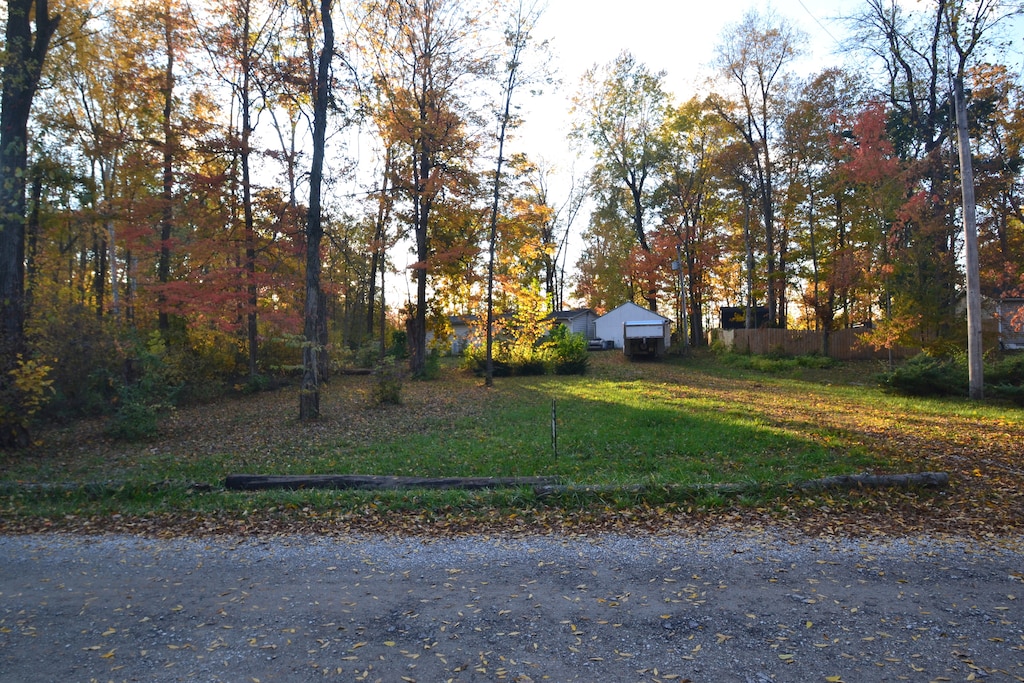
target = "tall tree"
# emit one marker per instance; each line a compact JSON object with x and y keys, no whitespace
{"x":969,"y":23}
{"x":312,"y":349}
{"x":30,"y":27}
{"x":169,"y":143}
{"x":621,"y":110}
{"x":248,"y":33}
{"x":754,"y":57}
{"x":998,"y":115}
{"x":518,"y":34}
{"x":814,"y":200}
{"x":908,"y":44}
{"x":692,"y":206}
{"x":425,"y":53}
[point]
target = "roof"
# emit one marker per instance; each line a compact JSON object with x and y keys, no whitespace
{"x":570,"y":314}
{"x":630,"y":304}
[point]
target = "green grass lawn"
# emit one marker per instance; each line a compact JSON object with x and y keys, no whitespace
{"x":693,"y":432}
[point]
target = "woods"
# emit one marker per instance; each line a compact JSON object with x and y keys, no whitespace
{"x":200,"y":197}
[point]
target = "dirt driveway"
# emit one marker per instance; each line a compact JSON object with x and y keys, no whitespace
{"x":727,"y":607}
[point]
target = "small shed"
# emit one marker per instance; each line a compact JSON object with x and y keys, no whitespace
{"x":463,"y":327}
{"x":612,"y":325}
{"x":579,"y":321}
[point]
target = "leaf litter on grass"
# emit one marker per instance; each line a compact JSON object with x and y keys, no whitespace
{"x":981,"y":448}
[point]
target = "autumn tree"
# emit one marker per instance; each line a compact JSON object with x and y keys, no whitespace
{"x":425,"y":55}
{"x":693,"y":207}
{"x":997,"y":125}
{"x":620,"y":110}
{"x":753,"y":59}
{"x":605,"y":277}
{"x":921,"y":54}
{"x":517,"y":39}
{"x":241,"y":39}
{"x":30,"y":27}
{"x":312,"y":348}
{"x":815,"y":202}
{"x":908,"y":46}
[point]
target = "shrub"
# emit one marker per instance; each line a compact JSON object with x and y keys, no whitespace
{"x":388,"y":380}
{"x":399,"y":347}
{"x":431,"y":366}
{"x":1007,"y":379}
{"x":924,"y":375}
{"x":21,"y":397}
{"x":528,"y":360}
{"x":151,"y":386}
{"x":563,"y":353}
{"x":1008,"y":371}
{"x":570,"y":352}
{"x":86,"y":358}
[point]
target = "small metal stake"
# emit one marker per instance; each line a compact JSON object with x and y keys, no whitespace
{"x":554,"y":429}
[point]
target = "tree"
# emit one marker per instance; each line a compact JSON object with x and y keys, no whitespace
{"x":996,"y":117}
{"x":692,"y":205}
{"x":241,"y":42}
{"x":621,"y":110}
{"x":753,"y":57}
{"x":312,"y":349}
{"x":30,"y":27}
{"x":423,"y":53}
{"x":518,"y":34}
{"x":909,"y":46}
{"x":814,"y":203}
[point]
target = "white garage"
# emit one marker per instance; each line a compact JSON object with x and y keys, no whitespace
{"x":611,"y":326}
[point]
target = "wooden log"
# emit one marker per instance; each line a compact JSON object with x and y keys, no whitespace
{"x":927,"y":480}
{"x":260,"y":482}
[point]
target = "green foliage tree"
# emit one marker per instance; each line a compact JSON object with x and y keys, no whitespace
{"x":620,"y":110}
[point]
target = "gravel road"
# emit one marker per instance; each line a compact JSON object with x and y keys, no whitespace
{"x":747,"y":607}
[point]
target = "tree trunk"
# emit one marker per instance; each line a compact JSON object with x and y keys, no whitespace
{"x":309,"y":394}
{"x":250,"y":231}
{"x":22,"y":68}
{"x":167,"y":191}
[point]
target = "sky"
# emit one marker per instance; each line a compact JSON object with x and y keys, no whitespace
{"x":674,"y":36}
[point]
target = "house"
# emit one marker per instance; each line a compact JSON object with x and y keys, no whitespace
{"x":463,"y":332}
{"x":579,"y":321}
{"x":469,"y":330}
{"x":612,"y":326}
{"x":1011,"y":324}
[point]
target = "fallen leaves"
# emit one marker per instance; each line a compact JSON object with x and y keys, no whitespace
{"x":917,"y":438}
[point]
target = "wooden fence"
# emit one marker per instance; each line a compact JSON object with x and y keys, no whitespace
{"x":842,"y":344}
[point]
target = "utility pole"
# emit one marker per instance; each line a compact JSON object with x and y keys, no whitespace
{"x":974,"y":349}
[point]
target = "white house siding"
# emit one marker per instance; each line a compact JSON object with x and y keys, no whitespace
{"x":610,"y":325}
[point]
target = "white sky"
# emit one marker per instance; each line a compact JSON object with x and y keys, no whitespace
{"x":676,"y":36}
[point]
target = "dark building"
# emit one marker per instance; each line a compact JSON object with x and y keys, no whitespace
{"x":735,"y":317}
